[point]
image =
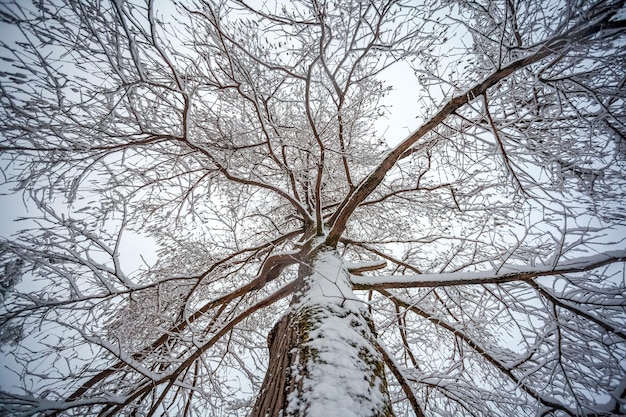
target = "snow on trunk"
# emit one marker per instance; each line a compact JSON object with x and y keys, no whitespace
{"x":323,"y":357}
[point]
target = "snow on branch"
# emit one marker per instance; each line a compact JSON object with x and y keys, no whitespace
{"x":504,"y":274}
{"x":359,"y":268}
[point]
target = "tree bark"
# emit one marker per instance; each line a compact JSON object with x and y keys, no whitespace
{"x":278,"y":382}
{"x":323,"y":356}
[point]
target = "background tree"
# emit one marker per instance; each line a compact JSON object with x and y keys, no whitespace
{"x":242,"y":141}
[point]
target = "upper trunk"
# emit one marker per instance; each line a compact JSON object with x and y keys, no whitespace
{"x":323,"y":356}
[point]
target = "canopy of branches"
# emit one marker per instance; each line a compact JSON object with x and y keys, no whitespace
{"x":179,"y":160}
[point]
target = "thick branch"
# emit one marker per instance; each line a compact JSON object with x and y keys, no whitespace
{"x":397,"y":373}
{"x":271,"y":268}
{"x":553,"y":46}
{"x":72,"y":401}
{"x":512,"y":273}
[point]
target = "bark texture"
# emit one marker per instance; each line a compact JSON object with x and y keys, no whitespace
{"x":323,"y":356}
{"x":278,"y":381}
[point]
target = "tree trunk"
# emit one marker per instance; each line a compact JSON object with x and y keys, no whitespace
{"x":323,"y":358}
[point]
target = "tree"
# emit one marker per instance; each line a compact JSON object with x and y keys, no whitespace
{"x":306,"y":263}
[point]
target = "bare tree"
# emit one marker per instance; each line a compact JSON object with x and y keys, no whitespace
{"x":303,"y":262}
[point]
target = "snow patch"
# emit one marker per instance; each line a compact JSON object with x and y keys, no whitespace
{"x":342,"y":379}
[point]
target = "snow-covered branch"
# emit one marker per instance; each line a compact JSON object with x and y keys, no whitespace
{"x":504,"y":274}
